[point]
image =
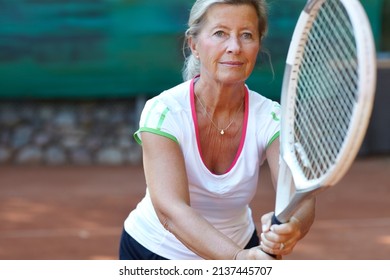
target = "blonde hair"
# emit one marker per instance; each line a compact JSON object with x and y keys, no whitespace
{"x":197,"y":16}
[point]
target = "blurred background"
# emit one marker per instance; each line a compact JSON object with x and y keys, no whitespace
{"x":74,"y":75}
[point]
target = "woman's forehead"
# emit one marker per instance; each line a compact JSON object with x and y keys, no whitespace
{"x":228,"y":15}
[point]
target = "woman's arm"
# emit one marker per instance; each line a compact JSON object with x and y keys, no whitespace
{"x":166,"y":178}
{"x":298,"y":226}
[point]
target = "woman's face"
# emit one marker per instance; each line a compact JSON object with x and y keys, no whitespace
{"x":228,"y":43}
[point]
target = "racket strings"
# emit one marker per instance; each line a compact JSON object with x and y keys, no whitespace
{"x":326,"y":130}
{"x":336,"y":20}
{"x":326,"y":88}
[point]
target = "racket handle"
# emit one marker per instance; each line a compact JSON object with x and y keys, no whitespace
{"x":274,"y":221}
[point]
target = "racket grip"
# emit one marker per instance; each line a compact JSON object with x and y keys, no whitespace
{"x":274,"y":221}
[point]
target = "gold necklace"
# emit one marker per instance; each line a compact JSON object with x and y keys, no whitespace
{"x":221,"y":131}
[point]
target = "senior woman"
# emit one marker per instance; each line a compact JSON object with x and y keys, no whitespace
{"x":203,"y":144}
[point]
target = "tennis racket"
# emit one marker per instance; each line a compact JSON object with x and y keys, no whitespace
{"x":327,"y":98}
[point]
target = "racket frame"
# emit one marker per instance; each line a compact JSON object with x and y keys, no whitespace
{"x":292,"y":187}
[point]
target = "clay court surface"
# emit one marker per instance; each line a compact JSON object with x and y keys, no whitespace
{"x":76,"y":213}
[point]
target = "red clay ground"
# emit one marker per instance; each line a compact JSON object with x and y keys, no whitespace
{"x":76,"y":213}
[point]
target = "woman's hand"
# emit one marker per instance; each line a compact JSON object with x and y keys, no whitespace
{"x":255,"y":253}
{"x":279,"y":239}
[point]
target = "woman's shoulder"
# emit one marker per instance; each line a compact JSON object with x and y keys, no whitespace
{"x":261,"y":104}
{"x":175,"y":98}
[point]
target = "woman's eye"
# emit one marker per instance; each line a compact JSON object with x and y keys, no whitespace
{"x":247,"y":36}
{"x":219,"y":33}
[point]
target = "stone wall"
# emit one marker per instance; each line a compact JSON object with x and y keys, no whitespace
{"x":66,"y":132}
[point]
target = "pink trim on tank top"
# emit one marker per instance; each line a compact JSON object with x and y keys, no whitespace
{"x":196,"y":126}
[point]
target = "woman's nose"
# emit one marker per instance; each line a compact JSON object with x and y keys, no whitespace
{"x":233,"y":45}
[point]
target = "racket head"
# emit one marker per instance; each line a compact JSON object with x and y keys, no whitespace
{"x":328,"y":92}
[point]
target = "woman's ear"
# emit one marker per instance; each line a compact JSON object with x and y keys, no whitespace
{"x":192,"y":45}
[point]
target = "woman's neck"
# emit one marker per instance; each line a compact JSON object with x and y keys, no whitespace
{"x":219,"y":96}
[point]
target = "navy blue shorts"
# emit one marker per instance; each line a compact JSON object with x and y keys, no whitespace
{"x":130,"y":249}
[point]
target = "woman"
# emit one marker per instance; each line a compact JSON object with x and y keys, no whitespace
{"x":203,"y":143}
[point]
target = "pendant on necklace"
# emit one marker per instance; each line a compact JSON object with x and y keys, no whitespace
{"x":222,"y":132}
